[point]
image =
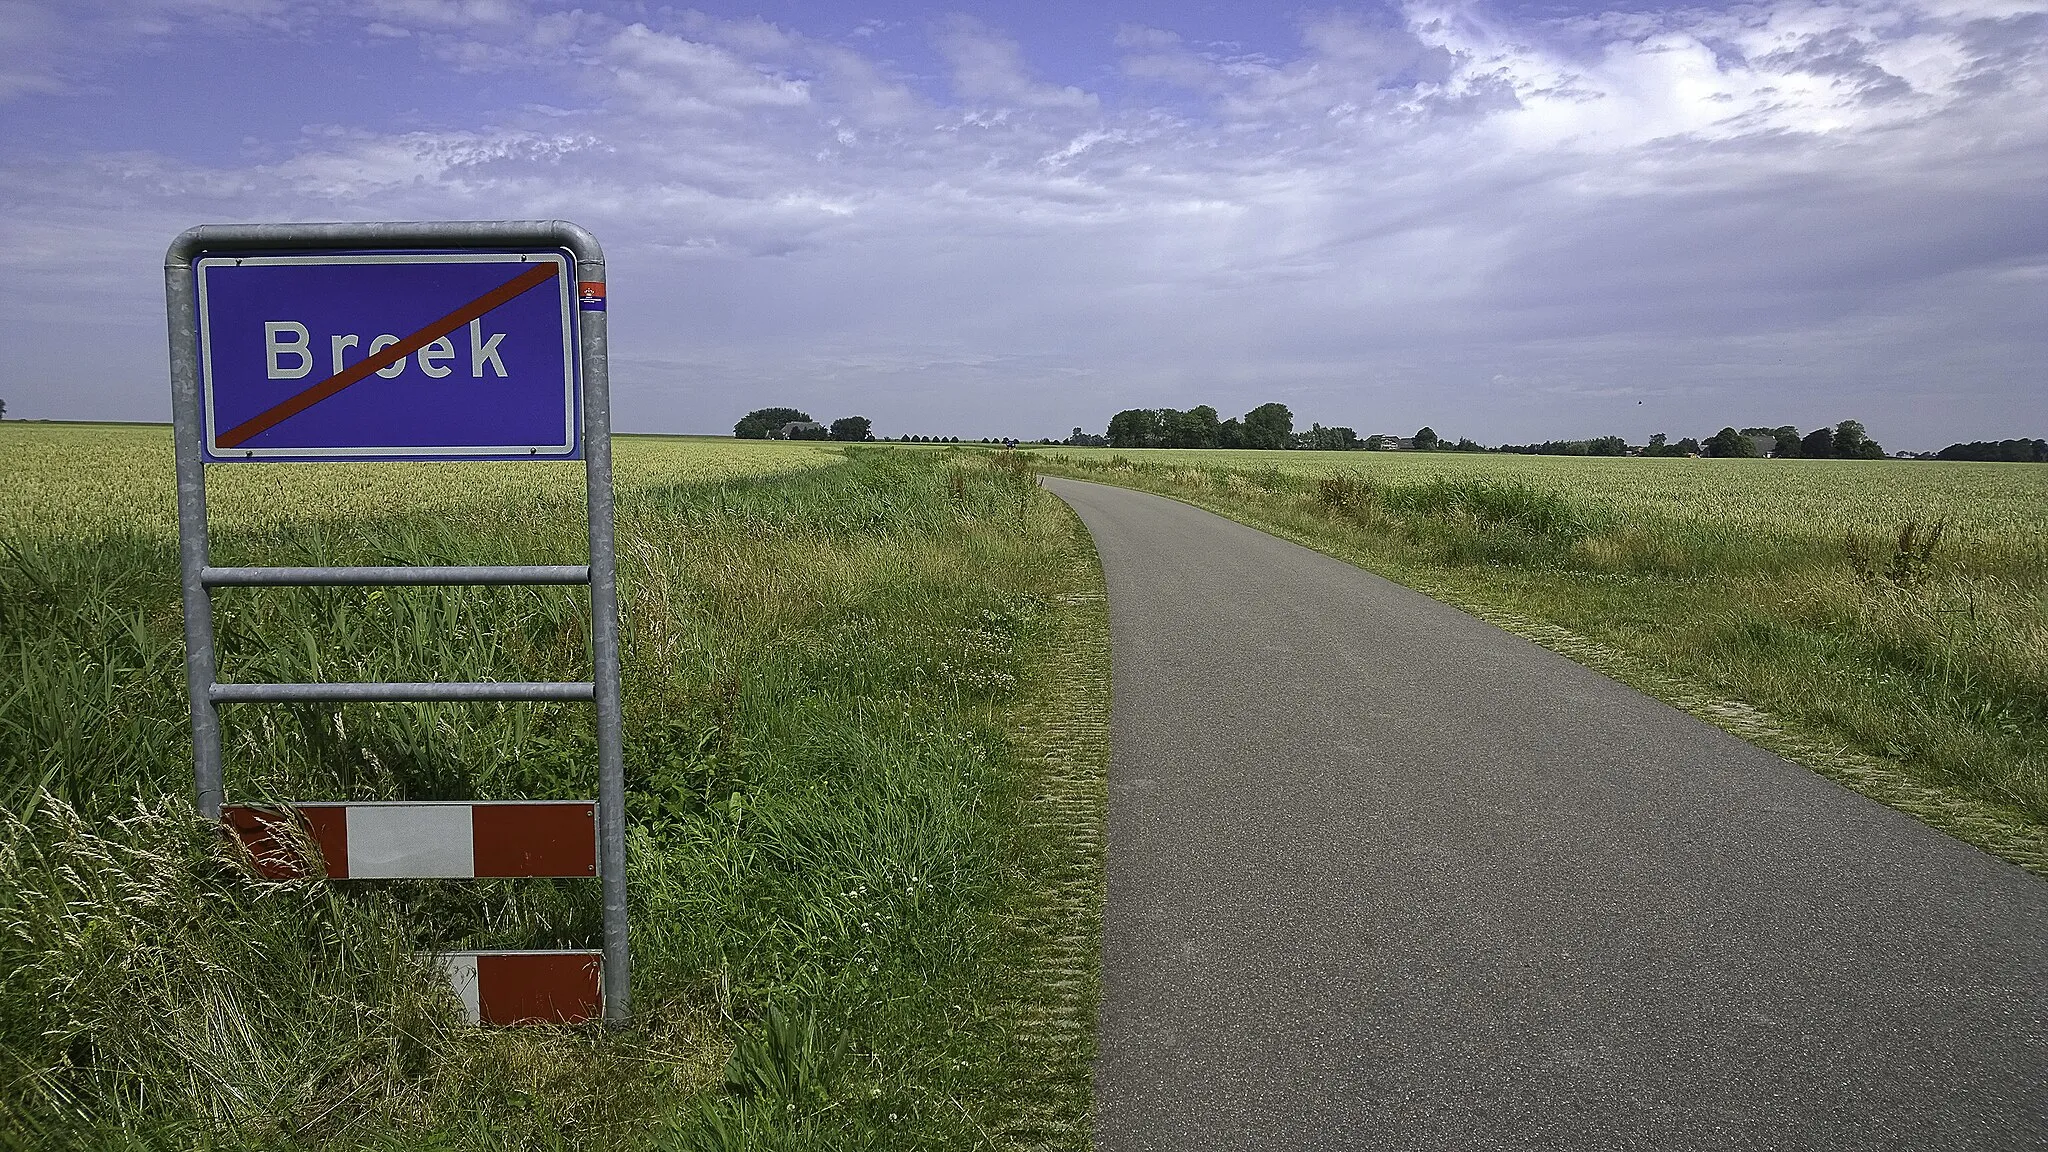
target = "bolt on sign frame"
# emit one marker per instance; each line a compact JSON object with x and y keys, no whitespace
{"x":350,"y":273}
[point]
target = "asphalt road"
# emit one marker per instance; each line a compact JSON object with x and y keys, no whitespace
{"x":1381,"y":875}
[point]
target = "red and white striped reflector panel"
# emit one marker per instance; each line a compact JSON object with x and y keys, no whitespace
{"x":423,"y":841}
{"x":527,"y":987}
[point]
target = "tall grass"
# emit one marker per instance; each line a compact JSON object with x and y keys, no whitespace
{"x":827,"y":674}
{"x":1895,"y":612}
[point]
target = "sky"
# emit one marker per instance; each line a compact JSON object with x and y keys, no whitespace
{"x":1508,"y":221}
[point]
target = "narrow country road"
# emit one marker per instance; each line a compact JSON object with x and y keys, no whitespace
{"x":1383,"y":876}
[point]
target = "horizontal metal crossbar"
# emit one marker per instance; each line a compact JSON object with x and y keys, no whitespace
{"x":401,"y":693}
{"x":395,"y":574}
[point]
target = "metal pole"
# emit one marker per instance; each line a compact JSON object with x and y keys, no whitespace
{"x":187,"y":436}
{"x":604,"y":630}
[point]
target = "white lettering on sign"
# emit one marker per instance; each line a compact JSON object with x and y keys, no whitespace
{"x":482,"y":351}
{"x":338,"y":343}
{"x":432,"y":355}
{"x":275,"y":349}
{"x":391,"y":370}
{"x":288,"y":350}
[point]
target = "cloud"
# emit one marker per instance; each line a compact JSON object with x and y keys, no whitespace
{"x":1789,"y":211}
{"x":990,"y":67}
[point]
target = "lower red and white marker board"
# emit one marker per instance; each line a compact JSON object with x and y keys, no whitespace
{"x":451,"y":840}
{"x":527,"y":987}
{"x":406,"y":840}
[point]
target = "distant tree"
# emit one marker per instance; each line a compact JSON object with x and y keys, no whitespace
{"x":1169,"y":426}
{"x":1606,"y":446}
{"x":1194,"y":428}
{"x":3,"y":409}
{"x":1230,"y":434}
{"x":1319,"y":438}
{"x":853,"y":428}
{"x":1819,"y":443}
{"x":1783,"y":440}
{"x":758,"y":424}
{"x":1467,"y":444}
{"x":1729,"y":442}
{"x":1135,"y":428}
{"x":1082,"y":439}
{"x":810,"y":432}
{"x":1660,"y":446}
{"x":1853,"y":443}
{"x":1426,"y":440}
{"x":1269,"y":426}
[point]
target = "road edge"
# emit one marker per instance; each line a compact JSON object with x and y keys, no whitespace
{"x":1055,"y":921}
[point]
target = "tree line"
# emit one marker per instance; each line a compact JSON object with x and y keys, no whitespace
{"x":1270,"y":426}
{"x":1267,"y":426}
{"x":773,"y":423}
{"x":2004,"y":451}
{"x":1845,"y":441}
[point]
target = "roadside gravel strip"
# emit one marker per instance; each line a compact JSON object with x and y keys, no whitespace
{"x":1381,"y":875}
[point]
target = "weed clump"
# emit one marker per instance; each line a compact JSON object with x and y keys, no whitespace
{"x":1910,"y":561}
{"x":153,"y":983}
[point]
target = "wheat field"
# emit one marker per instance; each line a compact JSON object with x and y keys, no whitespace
{"x":84,"y":480}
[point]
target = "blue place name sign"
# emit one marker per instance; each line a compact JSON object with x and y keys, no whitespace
{"x":391,"y":355}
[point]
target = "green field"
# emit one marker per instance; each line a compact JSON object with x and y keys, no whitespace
{"x":1806,"y":605}
{"x":866,"y":698}
{"x":854,"y":681}
{"x":1996,"y":513}
{"x":85,"y":480}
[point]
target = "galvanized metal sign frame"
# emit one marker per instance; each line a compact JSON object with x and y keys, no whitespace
{"x":199,"y":578}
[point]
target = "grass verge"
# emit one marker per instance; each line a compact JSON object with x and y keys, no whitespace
{"x":1915,"y":673}
{"x":866,"y":712}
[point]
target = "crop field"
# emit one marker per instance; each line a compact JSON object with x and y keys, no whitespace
{"x":1885,"y":622}
{"x":854,"y":681}
{"x":79,"y":480}
{"x":1997,"y":512}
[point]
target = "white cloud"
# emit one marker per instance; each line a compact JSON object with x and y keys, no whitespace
{"x":989,"y":67}
{"x":670,"y":75}
{"x":28,"y":66}
{"x":1513,"y":222}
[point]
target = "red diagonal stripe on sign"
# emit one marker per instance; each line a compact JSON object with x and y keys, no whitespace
{"x":271,"y":417}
